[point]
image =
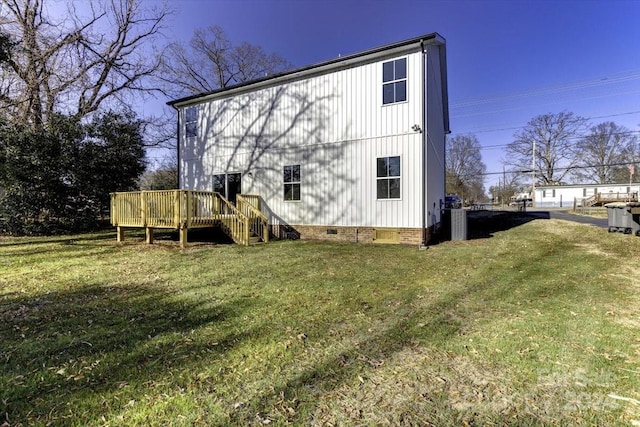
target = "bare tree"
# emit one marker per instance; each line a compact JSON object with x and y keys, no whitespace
{"x":163,"y":177}
{"x":464,"y":167}
{"x":212,"y":62}
{"x":99,"y":55}
{"x":547,"y":140}
{"x":5,"y":47}
{"x":508,"y":185}
{"x":602,"y":154}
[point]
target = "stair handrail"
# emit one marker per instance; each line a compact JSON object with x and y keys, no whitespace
{"x":259,"y":223}
{"x":590,"y":201}
{"x":239,"y":229}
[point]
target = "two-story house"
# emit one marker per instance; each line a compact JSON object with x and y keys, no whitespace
{"x":348,"y":149}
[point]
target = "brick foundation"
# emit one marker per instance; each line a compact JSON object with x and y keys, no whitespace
{"x":406,"y":236}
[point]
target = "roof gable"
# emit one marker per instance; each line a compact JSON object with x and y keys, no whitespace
{"x":404,"y":46}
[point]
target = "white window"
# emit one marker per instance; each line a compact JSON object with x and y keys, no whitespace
{"x":388,"y":177}
{"x":292,"y":183}
{"x":394,"y":81}
{"x":191,"y":122}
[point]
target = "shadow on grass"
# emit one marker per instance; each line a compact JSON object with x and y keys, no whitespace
{"x":61,"y":348}
{"x":63,"y":239}
{"x":483,"y":224}
{"x":213,"y":236}
{"x":62,"y":249}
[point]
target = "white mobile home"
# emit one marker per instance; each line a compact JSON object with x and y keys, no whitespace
{"x":564,"y":196}
{"x":348,"y":149}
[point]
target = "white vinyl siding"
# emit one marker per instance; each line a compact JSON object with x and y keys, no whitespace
{"x":435,"y":135}
{"x":553,"y":196}
{"x":333,"y":125}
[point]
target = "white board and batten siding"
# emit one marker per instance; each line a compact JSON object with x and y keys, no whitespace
{"x":334,"y":125}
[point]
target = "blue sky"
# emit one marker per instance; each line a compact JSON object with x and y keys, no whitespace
{"x":508,"y":61}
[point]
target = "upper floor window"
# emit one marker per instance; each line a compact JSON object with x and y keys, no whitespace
{"x":394,"y":81}
{"x":191,"y":121}
{"x":388,"y":177}
{"x":292,"y":182}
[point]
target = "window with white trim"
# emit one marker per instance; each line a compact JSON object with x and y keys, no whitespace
{"x":394,"y":81}
{"x":191,"y":122}
{"x":292,"y":183}
{"x":388,"y":177}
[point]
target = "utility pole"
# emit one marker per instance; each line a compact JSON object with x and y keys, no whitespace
{"x":632,"y":170}
{"x":504,"y":184}
{"x":533,"y":175}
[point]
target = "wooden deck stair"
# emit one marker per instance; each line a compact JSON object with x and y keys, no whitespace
{"x":244,"y":223}
{"x":590,"y":201}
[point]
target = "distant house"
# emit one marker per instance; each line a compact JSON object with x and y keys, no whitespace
{"x":547,"y":196}
{"x":348,"y":149}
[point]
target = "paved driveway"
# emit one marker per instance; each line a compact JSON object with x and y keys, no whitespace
{"x":598,"y":222}
{"x":482,"y":224}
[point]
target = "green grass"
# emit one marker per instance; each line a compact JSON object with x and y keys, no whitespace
{"x":537,"y":325}
{"x":596,"y":211}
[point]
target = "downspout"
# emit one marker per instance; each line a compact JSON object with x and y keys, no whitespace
{"x":423,"y":194}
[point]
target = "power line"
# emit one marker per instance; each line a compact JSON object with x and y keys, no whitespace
{"x":496,"y":146}
{"x":530,"y":106}
{"x":522,"y":127}
{"x":548,"y":91}
{"x":558,"y":169}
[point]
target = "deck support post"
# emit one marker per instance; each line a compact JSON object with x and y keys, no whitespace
{"x":120,"y":234}
{"x":149,"y":235}
{"x":183,"y":237}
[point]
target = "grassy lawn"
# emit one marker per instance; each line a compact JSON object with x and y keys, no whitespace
{"x":598,"y":212}
{"x":537,"y":325}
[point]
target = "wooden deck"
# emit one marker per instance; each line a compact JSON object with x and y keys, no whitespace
{"x":600,"y":199}
{"x":186,"y":209}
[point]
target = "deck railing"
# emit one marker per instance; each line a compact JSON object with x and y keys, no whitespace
{"x":602,"y":198}
{"x":184,"y":209}
{"x":202,"y":207}
{"x":161,"y":208}
{"x":234,"y":223}
{"x":249,"y":205}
